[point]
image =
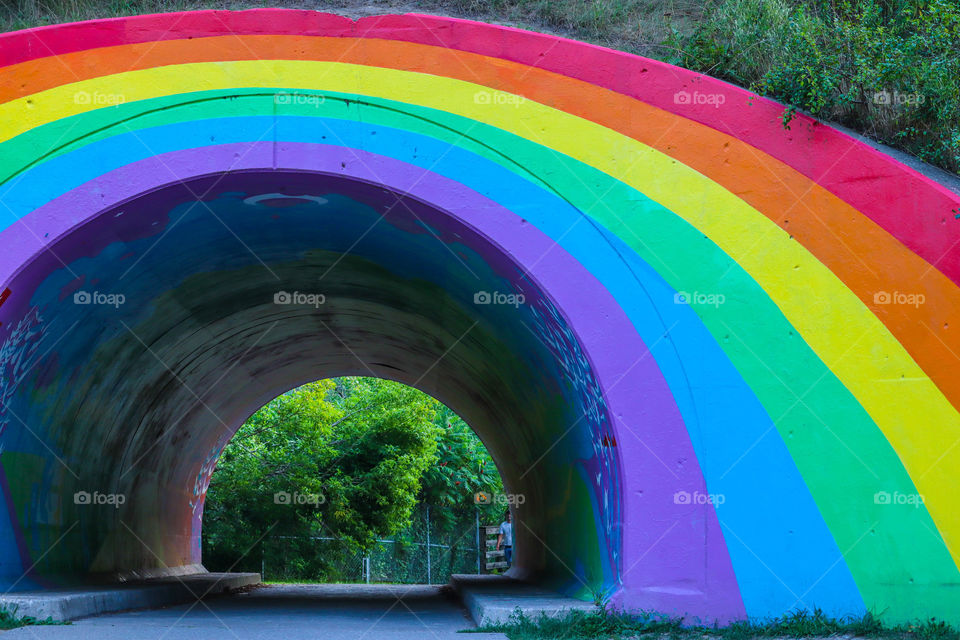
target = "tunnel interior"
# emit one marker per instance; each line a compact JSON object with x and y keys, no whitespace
{"x":151,"y":330}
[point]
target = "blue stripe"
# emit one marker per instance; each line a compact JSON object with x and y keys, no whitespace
{"x":781,"y":549}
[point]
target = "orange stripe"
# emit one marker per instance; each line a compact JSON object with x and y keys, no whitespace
{"x":864,"y":256}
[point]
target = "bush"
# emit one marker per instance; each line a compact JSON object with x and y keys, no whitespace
{"x":888,"y":68}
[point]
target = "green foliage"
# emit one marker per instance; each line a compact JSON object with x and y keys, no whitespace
{"x":577,"y":625}
{"x":934,"y":629}
{"x":463,"y":469}
{"x":830,"y":58}
{"x":606,"y":625}
{"x":337,"y":458}
{"x":888,"y":69}
{"x":385,"y":442}
{"x":354,"y":459}
{"x":735,"y":39}
{"x":10,"y":620}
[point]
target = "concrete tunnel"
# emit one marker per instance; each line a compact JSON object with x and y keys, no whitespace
{"x":646,"y":297}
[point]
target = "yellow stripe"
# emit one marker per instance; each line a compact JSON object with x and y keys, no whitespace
{"x":913,"y":414}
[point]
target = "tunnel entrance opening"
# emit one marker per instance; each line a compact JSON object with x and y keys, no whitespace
{"x":354,"y":480}
{"x":191,"y":305}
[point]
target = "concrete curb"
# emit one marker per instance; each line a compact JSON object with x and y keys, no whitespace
{"x":71,"y":603}
{"x":492,"y":599}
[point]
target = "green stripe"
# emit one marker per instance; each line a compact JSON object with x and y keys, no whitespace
{"x":899,"y":560}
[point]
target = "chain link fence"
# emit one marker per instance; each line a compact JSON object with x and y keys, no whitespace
{"x":388,"y":561}
{"x":422,"y":554}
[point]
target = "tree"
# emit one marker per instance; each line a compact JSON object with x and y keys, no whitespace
{"x":464,"y":475}
{"x":351,"y":459}
{"x":462,"y":488}
{"x":340,"y":458}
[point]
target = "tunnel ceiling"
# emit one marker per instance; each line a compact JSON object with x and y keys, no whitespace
{"x":728,"y":389}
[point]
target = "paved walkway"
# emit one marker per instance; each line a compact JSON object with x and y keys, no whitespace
{"x":289,"y":612}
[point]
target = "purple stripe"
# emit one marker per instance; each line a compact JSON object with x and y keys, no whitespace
{"x":674,"y":556}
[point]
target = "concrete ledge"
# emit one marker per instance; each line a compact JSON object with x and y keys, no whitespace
{"x":78,"y":602}
{"x":492,"y":599}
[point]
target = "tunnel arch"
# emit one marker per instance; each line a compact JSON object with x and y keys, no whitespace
{"x":360,"y":338}
{"x":734,"y":356}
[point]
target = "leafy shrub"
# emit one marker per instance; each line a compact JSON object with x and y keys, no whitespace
{"x":890,"y":69}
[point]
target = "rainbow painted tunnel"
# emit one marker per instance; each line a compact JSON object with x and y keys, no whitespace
{"x":717,"y":357}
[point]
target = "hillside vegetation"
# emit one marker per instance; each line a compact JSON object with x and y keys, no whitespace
{"x":889,"y":69}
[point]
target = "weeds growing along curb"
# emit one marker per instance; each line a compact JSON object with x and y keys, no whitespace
{"x":615,"y":625}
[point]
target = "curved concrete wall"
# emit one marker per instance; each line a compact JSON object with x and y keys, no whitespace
{"x":726,"y":392}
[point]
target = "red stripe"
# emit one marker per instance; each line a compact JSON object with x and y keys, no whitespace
{"x":916,"y":210}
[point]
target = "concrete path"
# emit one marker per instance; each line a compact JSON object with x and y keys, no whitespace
{"x":70,"y":603}
{"x":290,"y":612}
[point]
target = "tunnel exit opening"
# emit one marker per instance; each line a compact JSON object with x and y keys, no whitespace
{"x":359,"y":480}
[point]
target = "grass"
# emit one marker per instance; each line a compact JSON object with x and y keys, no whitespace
{"x":285,"y":581}
{"x":613,"y":625}
{"x":889,"y":69}
{"x":638,"y":26}
{"x":9,"y":620}
{"x":830,"y":58}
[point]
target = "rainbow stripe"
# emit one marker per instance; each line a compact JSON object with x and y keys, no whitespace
{"x":785,"y":438}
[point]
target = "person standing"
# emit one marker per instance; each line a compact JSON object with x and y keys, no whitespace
{"x":505,"y":539}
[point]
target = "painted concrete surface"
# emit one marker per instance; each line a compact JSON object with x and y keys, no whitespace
{"x":717,"y":357}
{"x":84,"y":601}
{"x":294,"y":612}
